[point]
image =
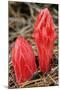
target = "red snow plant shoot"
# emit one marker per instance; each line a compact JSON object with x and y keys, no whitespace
{"x":45,"y":35}
{"x":23,"y":60}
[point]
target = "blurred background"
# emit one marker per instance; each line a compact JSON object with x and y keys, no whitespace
{"x":21,"y":19}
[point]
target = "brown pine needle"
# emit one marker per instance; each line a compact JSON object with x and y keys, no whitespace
{"x":52,"y":79}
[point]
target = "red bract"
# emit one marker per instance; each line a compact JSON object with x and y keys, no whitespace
{"x":23,"y":60}
{"x":45,"y":35}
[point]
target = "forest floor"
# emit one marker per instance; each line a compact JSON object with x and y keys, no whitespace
{"x":21,"y":19}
